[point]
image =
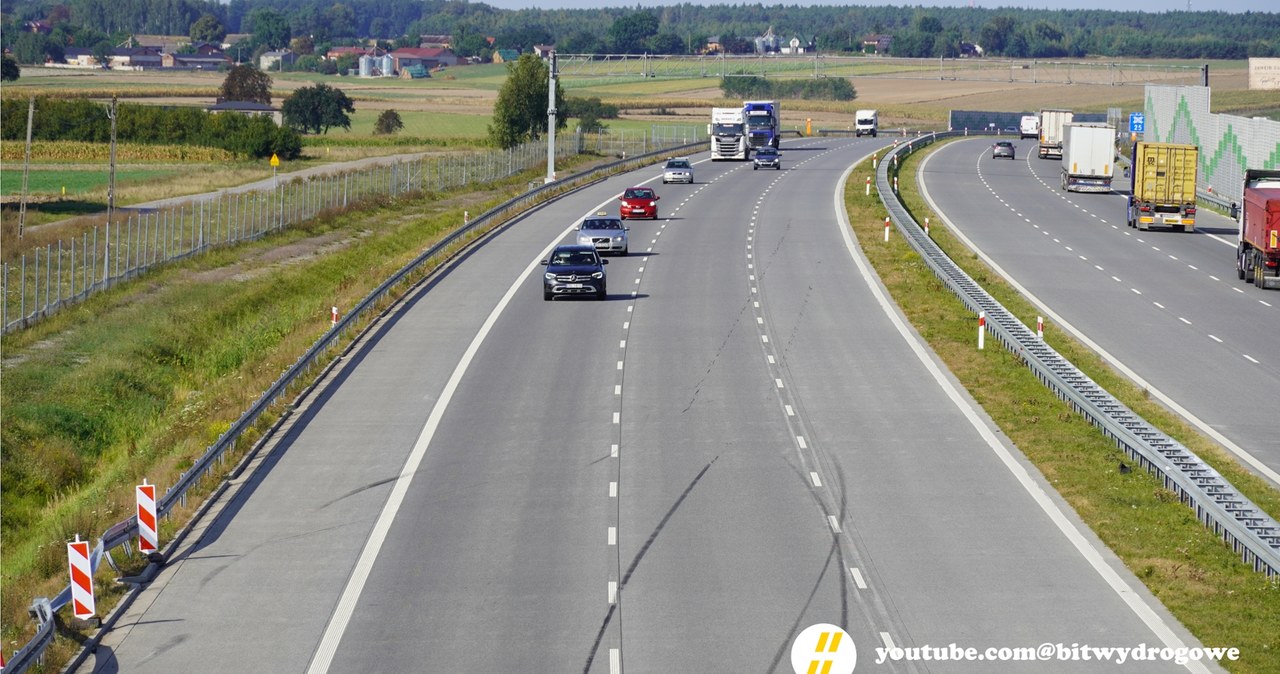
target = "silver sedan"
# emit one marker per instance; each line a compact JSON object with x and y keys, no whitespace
{"x":677,"y":171}
{"x":607,"y":234}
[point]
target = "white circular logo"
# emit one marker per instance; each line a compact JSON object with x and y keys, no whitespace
{"x":823,"y":649}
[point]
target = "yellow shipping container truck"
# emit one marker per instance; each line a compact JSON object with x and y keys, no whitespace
{"x":1164,"y":186}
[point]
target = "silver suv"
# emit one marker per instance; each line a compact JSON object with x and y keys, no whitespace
{"x":677,"y":171}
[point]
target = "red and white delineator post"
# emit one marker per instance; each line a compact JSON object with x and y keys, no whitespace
{"x":886,"y":229}
{"x":1040,"y":327}
{"x":333,"y":317}
{"x":926,"y":225}
{"x":868,"y":185}
{"x":982,"y":330}
{"x":148,"y":538}
{"x":81,"y":579}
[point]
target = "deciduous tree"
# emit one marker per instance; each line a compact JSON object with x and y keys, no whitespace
{"x":388,"y":123}
{"x":520,"y":113}
{"x":246,"y":83}
{"x":317,"y":108}
{"x":207,"y":28}
{"x":9,"y":70}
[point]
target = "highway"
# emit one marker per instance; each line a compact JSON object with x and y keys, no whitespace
{"x":1166,"y":307}
{"x":743,"y":440}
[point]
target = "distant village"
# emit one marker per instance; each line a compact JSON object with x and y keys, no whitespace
{"x":433,"y":54}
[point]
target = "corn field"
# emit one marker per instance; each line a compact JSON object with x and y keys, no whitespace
{"x":138,"y":239}
{"x":79,"y":151}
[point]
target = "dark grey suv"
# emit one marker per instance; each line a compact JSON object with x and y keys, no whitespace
{"x":574,"y":270}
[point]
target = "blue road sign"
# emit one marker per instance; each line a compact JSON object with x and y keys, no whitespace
{"x":1138,"y":122}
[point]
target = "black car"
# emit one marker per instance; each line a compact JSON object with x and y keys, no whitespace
{"x":766,"y":157}
{"x":574,"y":270}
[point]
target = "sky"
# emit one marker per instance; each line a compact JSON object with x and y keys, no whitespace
{"x":1126,"y":5}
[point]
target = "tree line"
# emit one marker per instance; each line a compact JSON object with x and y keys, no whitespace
{"x":675,"y":29}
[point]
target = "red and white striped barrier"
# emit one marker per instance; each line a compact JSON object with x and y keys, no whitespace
{"x":886,"y":229}
{"x":81,"y":579}
{"x":148,"y":539}
{"x":982,"y":330}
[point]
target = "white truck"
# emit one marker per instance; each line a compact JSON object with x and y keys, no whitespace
{"x":1051,"y":123}
{"x":1088,"y":157}
{"x":728,"y":134}
{"x":866,"y":123}
{"x":1029,"y":127}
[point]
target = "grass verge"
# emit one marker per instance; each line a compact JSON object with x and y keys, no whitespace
{"x":138,"y":380}
{"x":1197,"y":577}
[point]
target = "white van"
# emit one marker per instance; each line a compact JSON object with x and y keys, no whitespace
{"x":866,"y":123}
{"x":1030,"y":126}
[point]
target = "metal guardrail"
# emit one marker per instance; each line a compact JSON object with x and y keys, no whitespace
{"x":43,"y":609}
{"x":1251,"y":532}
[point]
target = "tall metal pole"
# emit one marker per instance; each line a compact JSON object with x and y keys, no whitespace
{"x":111,"y":196}
{"x":551,"y":122}
{"x":26,"y":167}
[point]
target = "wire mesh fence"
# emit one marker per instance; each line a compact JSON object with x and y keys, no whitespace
{"x":136,"y":240}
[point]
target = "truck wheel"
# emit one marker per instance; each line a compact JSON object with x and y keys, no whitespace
{"x":1248,"y":266}
{"x":1240,"y":262}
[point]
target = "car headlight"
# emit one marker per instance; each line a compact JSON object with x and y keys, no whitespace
{"x":598,"y":274}
{"x":653,"y":203}
{"x":617,"y":238}
{"x":549,"y":276}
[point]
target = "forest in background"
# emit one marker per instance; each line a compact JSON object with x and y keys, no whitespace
{"x":677,"y":29}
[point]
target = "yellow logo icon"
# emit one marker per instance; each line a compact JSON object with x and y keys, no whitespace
{"x":823,"y":649}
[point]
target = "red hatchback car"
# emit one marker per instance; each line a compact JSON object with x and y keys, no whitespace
{"x":639,"y":202}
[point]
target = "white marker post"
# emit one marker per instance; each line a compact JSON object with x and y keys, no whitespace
{"x":895,"y":184}
{"x":926,"y":225}
{"x":886,"y":229}
{"x":1040,"y":327}
{"x":333,"y":317}
{"x":982,"y":330}
{"x":868,"y":185}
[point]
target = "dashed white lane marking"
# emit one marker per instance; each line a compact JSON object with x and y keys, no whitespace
{"x":790,"y":412}
{"x":857,"y":578}
{"x":613,"y":451}
{"x":613,"y":591}
{"x":800,"y":441}
{"x":764,"y":338}
{"x":835,"y":524}
{"x":622,"y":344}
{"x":1158,"y":305}
{"x":888,"y":640}
{"x":613,"y":490}
{"x":619,"y":365}
{"x":1251,"y":359}
{"x":1184,"y":320}
{"x":778,"y":382}
{"x":613,"y":535}
{"x":615,"y":661}
{"x":617,"y":389}
{"x":617,"y":417}
{"x":1215,"y":338}
{"x":813,"y":477}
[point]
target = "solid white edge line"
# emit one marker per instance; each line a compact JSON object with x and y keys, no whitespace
{"x":888,"y":640}
{"x":328,"y":645}
{"x":1055,"y":514}
{"x":1199,"y":423}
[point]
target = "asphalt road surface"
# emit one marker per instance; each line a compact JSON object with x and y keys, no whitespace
{"x":1166,"y":306}
{"x":742,"y":441}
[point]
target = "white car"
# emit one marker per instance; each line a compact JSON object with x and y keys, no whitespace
{"x":677,"y":171}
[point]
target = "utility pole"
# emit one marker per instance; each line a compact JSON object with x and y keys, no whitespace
{"x":26,"y":167}
{"x":111,"y":195}
{"x":551,"y":122}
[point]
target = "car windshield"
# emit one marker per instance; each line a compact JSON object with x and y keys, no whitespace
{"x":602,"y":224}
{"x":677,"y":164}
{"x":1004,"y":143}
{"x":766,"y":150}
{"x":638,"y":194}
{"x":567,"y":258}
